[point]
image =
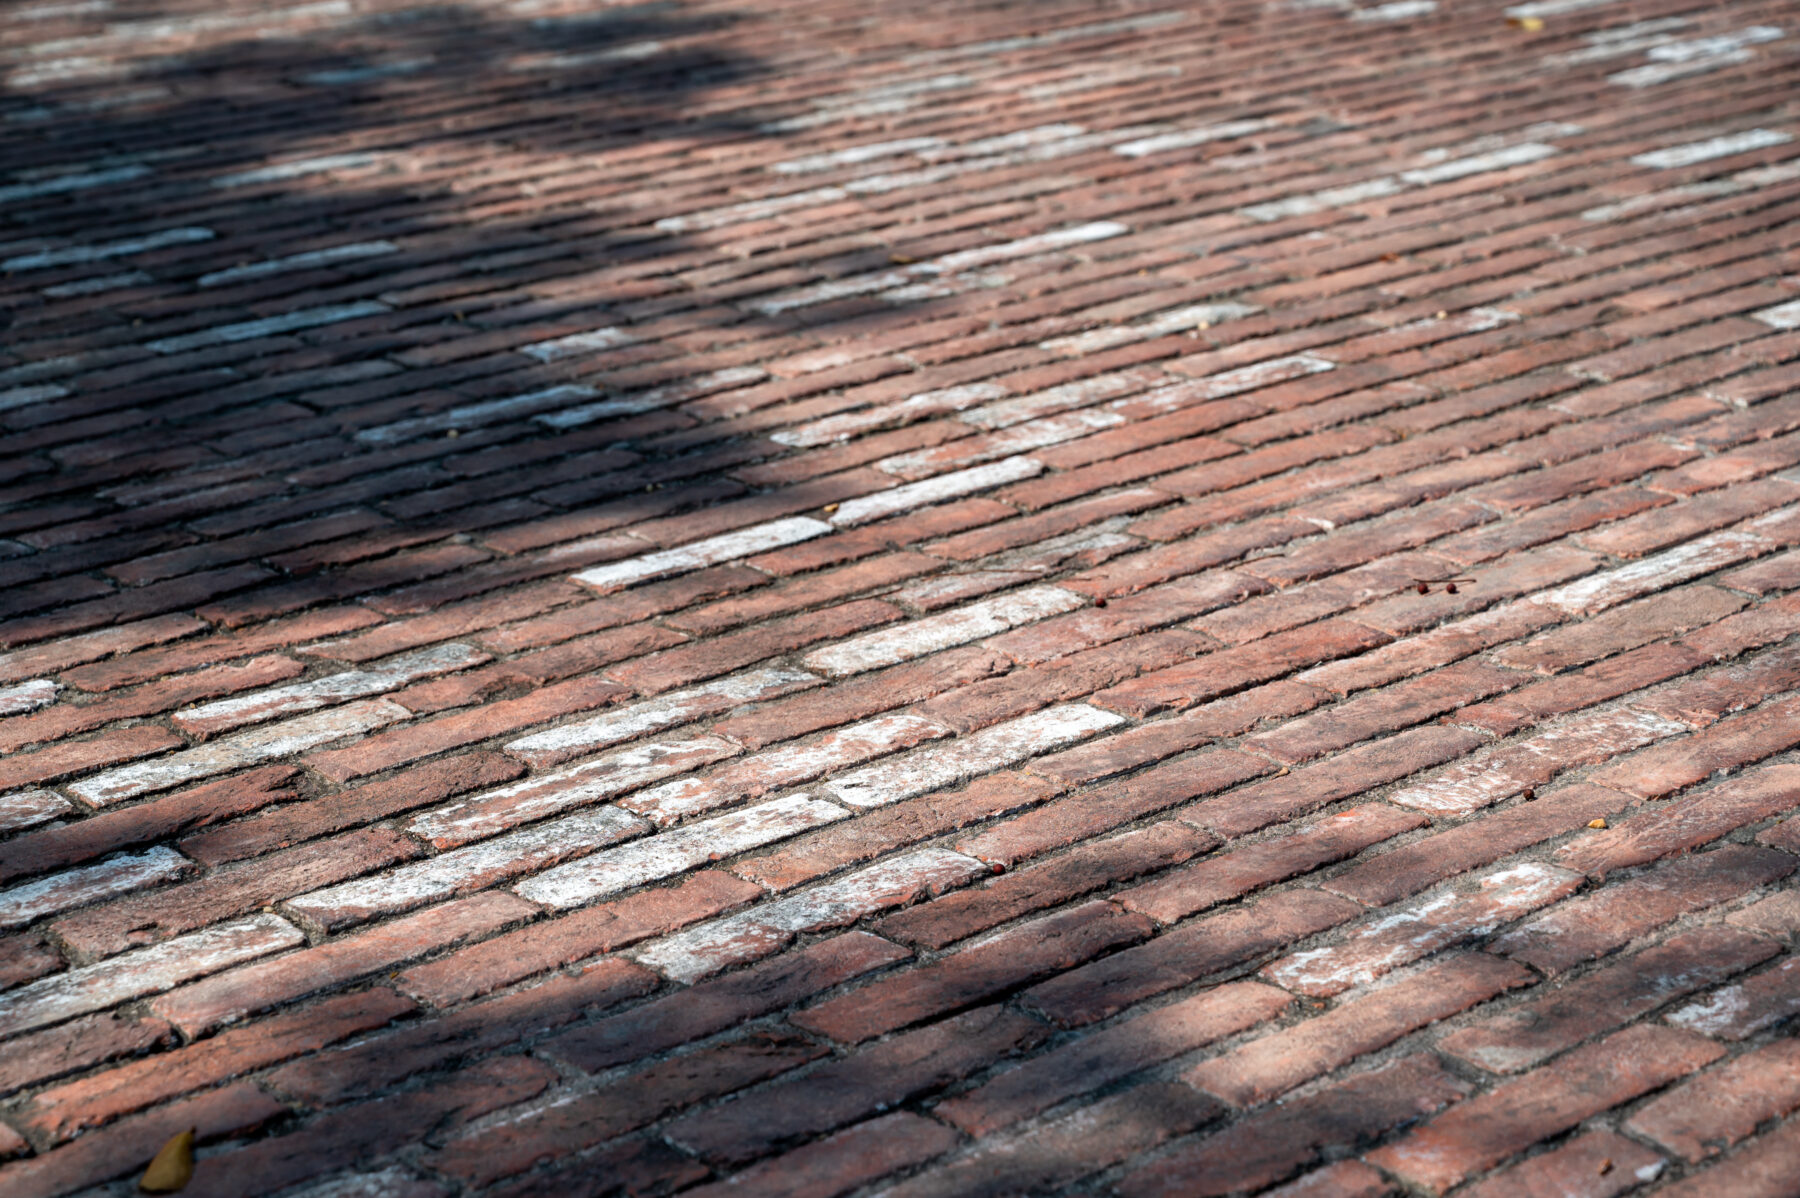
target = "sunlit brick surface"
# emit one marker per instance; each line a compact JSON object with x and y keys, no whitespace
{"x":805,"y":599}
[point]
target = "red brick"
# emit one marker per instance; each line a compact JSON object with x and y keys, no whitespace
{"x":379,"y":1062}
{"x":840,"y":1163}
{"x":880,"y":831}
{"x":1349,"y":773}
{"x":1597,"y":924}
{"x":851,"y":1087}
{"x":351,"y":1134}
{"x":128,"y":1145}
{"x":1346,"y":1179}
{"x":1229,"y":875}
{"x":402,"y":746}
{"x":1104,"y":1057}
{"x":65,"y":719}
{"x":1274,"y":1144}
{"x":1393,"y":939}
{"x":131,"y":923}
{"x":1405,"y":703}
{"x":1698,"y":819}
{"x":1512,"y":1117}
{"x":109,"y":748}
{"x":1764,"y":1168}
{"x":1269,"y":1067}
{"x":232,"y":995}
{"x":859,"y":697}
{"x":1228,"y":670}
{"x":538,"y":948}
{"x":166,"y":815}
{"x":417,"y":787}
{"x":1089,"y":813}
{"x":1709,"y":1113}
{"x":1412,"y":867}
{"x":1048,"y":945}
{"x":75,"y":1107}
{"x":1597,"y":683}
{"x":1731,"y":743}
{"x":1602,"y":1001}
{"x":963,"y":913}
{"x":1197,"y":950}
{"x":724,"y":1002}
{"x":1742,"y":1009}
{"x":1596,"y":1164}
{"x":723,"y":654}
{"x":1053,"y":1154}
{"x":1165,"y":738}
{"x":76,"y":1045}
{"x":626,"y":1105}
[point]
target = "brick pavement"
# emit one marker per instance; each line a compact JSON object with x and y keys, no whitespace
{"x":932,"y":599}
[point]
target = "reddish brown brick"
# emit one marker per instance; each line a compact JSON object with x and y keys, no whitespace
{"x":1487,"y":1129}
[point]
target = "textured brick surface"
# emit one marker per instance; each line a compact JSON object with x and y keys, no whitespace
{"x":803,"y":599}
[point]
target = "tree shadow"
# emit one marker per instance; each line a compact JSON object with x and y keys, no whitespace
{"x":431,"y":190}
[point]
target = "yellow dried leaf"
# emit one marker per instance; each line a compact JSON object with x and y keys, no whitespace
{"x":1596,"y":823}
{"x":173,"y":1167}
{"x":830,"y":508}
{"x":1528,"y":24}
{"x":901,"y":260}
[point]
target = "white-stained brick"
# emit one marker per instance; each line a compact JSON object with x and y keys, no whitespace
{"x":664,"y":711}
{"x":916,"y":638}
{"x":726,"y":547}
{"x":352,"y":252}
{"x":1713,"y":147}
{"x":1390,"y":941}
{"x":677,"y":850}
{"x":1161,"y":324}
{"x":268,"y":326}
{"x":475,"y":415}
{"x":504,"y":808}
{"x":51,"y":656}
{"x":472,"y":867}
{"x":1078,"y":394}
{"x":1479,"y":164}
{"x":235,"y":752}
{"x":299,"y":168}
{"x":865,"y":508}
{"x":379,"y":678}
{"x":578,"y":344}
{"x":833,"y":429}
{"x":1182,"y":139}
{"x":1598,"y":592}
{"x":1322,"y":201}
{"x":789,"y":765}
{"x":1035,"y":434}
{"x":737,"y":939}
{"x":81,"y":255}
{"x":970,"y":756}
{"x":855,"y":155}
{"x":28,"y":808}
{"x":28,"y":696}
{"x":143,"y":971}
{"x":78,"y":887}
{"x":74,"y":181}
{"x":1507,"y":769}
{"x":1225,"y":383}
{"x":664,"y":396}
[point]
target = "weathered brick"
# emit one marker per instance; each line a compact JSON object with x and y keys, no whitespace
{"x":1103,"y":1057}
{"x":1227,"y":941}
{"x":1601,"y":1001}
{"x":1517,"y":1114}
{"x":1272,"y":1145}
{"x":849,"y":1088}
{"x":1229,"y":875}
{"x":1388,"y":942}
{"x":1709,"y":1113}
{"x":1268,"y":1067}
{"x":1048,"y":945}
{"x":1596,"y":1164}
{"x":1596,"y":924}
